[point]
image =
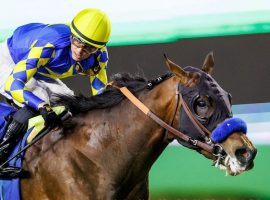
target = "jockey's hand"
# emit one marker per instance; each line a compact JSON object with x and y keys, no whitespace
{"x":50,"y":117}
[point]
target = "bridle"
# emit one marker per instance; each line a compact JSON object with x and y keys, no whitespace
{"x":207,"y":145}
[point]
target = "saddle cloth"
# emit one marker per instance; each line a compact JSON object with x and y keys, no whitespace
{"x":10,"y":189}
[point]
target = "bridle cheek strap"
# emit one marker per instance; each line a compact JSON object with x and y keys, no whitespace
{"x":177,"y":106}
{"x":159,"y":121}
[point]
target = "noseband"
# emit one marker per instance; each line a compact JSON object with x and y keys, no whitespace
{"x":208,"y":145}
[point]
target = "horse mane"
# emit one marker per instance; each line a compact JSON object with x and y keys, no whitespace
{"x":110,"y":96}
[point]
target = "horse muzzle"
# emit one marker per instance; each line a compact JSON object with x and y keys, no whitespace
{"x":236,"y":153}
{"x":235,"y":165}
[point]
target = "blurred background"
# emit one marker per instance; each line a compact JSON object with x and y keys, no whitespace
{"x":237,"y":31}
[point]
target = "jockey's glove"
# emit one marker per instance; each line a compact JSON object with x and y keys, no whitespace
{"x":50,"y":117}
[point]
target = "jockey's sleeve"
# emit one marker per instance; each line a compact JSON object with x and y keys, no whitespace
{"x":99,"y":80}
{"x":24,"y":70}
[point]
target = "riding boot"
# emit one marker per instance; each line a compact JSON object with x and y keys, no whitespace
{"x":10,"y":139}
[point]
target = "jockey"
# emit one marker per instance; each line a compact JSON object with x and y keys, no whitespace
{"x":37,"y":55}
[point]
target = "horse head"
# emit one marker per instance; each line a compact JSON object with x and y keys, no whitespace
{"x":210,"y":105}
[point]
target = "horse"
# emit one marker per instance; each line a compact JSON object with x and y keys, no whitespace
{"x":108,"y":147}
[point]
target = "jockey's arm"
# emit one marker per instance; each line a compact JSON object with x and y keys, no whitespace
{"x":24,"y":70}
{"x":99,"y":80}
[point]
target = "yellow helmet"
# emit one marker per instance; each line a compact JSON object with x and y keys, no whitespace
{"x":92,"y":26}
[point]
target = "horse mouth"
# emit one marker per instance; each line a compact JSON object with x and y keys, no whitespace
{"x":234,"y":167}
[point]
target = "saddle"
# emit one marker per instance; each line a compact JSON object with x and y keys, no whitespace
{"x":35,"y":131}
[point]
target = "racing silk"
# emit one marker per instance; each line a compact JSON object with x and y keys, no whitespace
{"x":43,"y":51}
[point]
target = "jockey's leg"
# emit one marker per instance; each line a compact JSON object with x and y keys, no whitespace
{"x":15,"y":131}
{"x":44,"y":90}
{"x":20,"y":119}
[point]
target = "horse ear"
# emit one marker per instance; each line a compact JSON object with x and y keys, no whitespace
{"x":208,"y":64}
{"x":187,"y":78}
{"x":177,"y":70}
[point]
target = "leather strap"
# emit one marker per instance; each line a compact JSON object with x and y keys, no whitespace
{"x":177,"y":106}
{"x":135,"y":100}
{"x":159,"y":121}
{"x":198,"y":125}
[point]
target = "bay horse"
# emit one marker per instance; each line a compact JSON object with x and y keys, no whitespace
{"x":106,"y":151}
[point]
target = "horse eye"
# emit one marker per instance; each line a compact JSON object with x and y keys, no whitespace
{"x":202,"y":107}
{"x":201,"y":103}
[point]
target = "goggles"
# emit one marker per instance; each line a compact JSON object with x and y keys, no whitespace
{"x":80,"y":44}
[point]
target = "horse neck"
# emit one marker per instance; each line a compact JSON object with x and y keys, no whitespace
{"x":119,"y":143}
{"x":162,"y":102}
{"x":147,"y":140}
{"x":126,"y":125}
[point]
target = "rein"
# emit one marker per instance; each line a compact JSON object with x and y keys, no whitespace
{"x":207,"y":146}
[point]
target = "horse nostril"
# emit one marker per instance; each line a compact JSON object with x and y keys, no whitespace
{"x":245,"y":155}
